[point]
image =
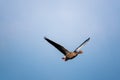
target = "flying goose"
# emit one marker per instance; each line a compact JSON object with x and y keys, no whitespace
{"x":67,"y":54}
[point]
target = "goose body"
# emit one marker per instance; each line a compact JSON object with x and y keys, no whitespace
{"x":67,"y":54}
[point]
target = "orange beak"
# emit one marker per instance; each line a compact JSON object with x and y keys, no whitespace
{"x":80,"y":52}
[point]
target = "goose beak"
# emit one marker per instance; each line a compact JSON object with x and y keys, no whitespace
{"x":80,"y":52}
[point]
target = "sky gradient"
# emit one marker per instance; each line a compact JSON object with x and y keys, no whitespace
{"x":25,"y":55}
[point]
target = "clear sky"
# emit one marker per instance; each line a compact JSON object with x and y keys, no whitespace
{"x":25,"y":55}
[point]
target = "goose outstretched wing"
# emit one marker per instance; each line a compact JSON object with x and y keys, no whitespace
{"x":79,"y":47}
{"x":58,"y":46}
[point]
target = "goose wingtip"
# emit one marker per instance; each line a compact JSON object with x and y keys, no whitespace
{"x":45,"y":37}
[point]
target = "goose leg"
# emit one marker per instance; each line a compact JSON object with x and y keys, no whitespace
{"x":64,"y":58}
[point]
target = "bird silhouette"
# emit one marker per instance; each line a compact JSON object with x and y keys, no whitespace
{"x":67,"y":54}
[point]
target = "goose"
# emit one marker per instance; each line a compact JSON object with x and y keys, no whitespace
{"x":67,"y":54}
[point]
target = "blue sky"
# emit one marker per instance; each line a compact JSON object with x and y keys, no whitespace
{"x":25,"y":55}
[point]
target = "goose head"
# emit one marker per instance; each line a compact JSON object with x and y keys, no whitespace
{"x":80,"y":52}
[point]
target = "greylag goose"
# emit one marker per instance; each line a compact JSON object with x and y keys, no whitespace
{"x":67,"y":54}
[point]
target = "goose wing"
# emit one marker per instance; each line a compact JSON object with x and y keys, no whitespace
{"x":58,"y":46}
{"x":79,"y":47}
